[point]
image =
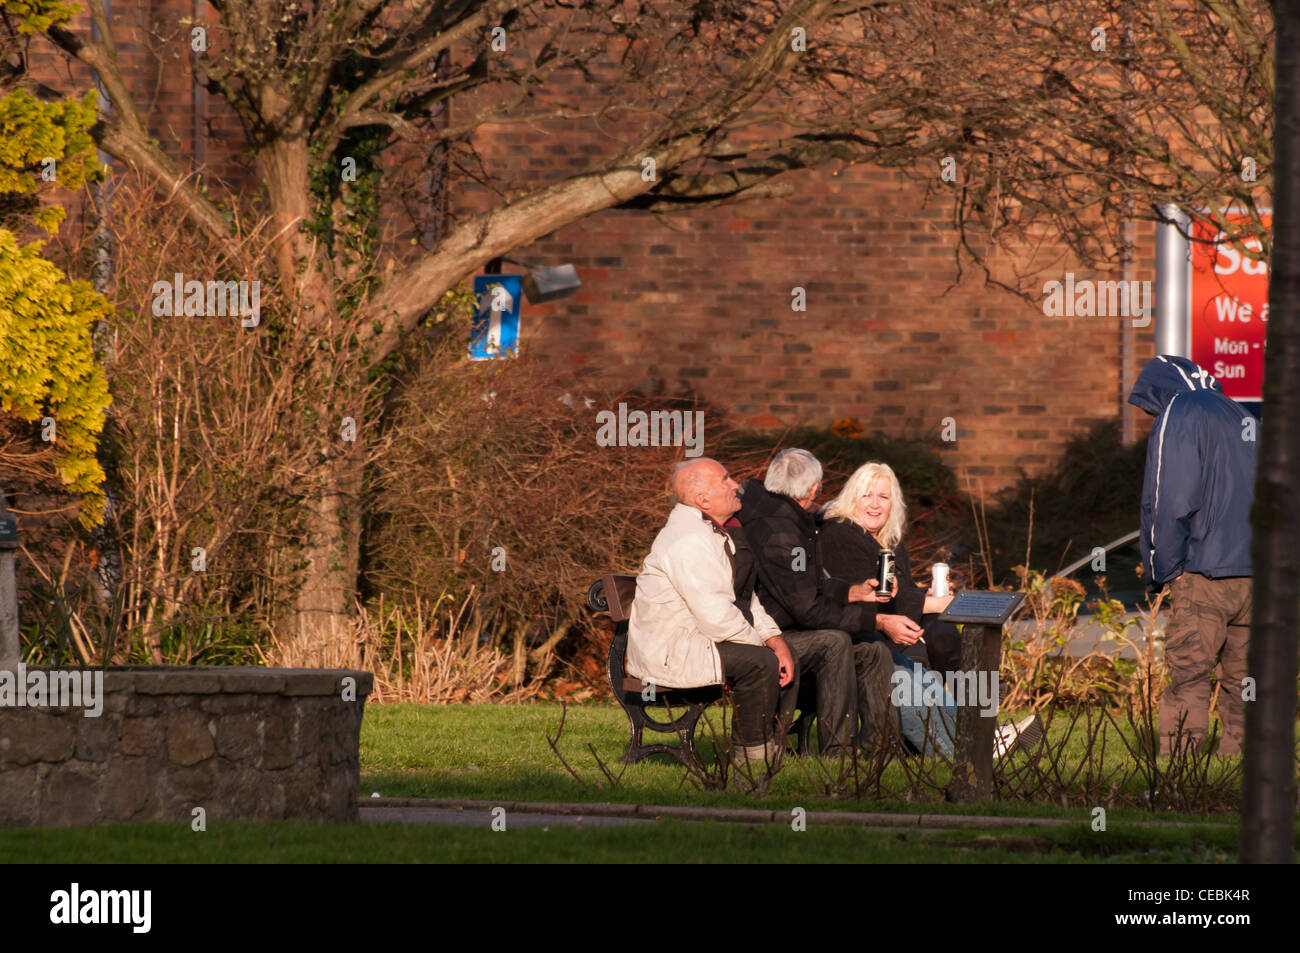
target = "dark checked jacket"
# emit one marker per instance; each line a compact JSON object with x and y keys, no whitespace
{"x":791,"y":585}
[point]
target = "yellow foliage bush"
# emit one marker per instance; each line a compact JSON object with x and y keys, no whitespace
{"x":49,"y":365}
{"x":47,"y":359}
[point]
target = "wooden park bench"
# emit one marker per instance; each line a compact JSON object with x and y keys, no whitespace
{"x":613,"y":593}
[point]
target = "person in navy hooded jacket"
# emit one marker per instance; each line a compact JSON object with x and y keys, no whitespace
{"x":1196,"y":498}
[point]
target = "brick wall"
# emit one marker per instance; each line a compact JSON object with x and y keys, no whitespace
{"x":891,"y":334}
{"x":701,"y":302}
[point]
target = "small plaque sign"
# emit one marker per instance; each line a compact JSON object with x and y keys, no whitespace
{"x":982,"y":608}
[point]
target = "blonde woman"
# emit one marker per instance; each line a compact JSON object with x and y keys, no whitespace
{"x":865,"y":518}
{"x":869,"y":515}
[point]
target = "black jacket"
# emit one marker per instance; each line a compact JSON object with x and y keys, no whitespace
{"x":850,"y":554}
{"x":1200,"y":474}
{"x":744,"y":569}
{"x":783,"y":537}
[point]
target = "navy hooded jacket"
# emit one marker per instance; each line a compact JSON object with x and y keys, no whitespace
{"x":1200,"y":474}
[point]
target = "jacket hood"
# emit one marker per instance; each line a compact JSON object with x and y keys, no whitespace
{"x":1165,"y":377}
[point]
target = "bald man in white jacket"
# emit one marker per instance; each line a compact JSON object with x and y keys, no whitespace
{"x":686,"y":629}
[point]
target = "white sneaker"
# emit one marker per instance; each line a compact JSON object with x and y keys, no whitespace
{"x":1004,"y":740}
{"x":1025,"y":735}
{"x":1029,"y":733}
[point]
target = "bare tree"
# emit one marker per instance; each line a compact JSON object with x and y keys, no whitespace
{"x":710,"y":102}
{"x":1076,"y":117}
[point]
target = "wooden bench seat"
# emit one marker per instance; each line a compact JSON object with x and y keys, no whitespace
{"x":613,"y":593}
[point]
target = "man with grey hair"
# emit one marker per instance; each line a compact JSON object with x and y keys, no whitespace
{"x":696,"y":620}
{"x":852,"y":680}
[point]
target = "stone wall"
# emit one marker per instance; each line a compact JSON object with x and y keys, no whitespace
{"x":241,"y":743}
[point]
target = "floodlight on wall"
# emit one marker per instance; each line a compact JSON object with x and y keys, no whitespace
{"x":543,"y":284}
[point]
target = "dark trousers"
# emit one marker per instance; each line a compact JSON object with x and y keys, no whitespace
{"x":825,"y":657}
{"x":760,"y":701}
{"x":874,"y":664}
{"x":1207,"y":634}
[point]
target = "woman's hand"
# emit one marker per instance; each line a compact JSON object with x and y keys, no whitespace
{"x":935,"y":603}
{"x":899,"y":628}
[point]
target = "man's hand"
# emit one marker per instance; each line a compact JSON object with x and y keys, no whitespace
{"x":899,"y":628}
{"x":865,"y":591}
{"x":783,"y":658}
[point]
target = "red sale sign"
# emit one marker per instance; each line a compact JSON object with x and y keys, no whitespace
{"x":1229,"y":310}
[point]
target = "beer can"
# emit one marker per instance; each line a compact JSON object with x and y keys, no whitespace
{"x":940,"y":584}
{"x":885,"y":574}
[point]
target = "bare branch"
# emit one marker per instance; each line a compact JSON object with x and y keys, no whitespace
{"x":124,"y":137}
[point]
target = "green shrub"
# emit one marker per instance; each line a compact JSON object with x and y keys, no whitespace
{"x":1089,"y":497}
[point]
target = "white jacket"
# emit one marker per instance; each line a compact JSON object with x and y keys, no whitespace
{"x":685,"y":603}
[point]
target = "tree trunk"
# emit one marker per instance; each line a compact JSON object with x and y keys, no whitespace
{"x":323,"y":609}
{"x":1268,"y":785}
{"x":317,"y":630}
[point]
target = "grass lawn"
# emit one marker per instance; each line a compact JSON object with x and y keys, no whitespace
{"x":664,"y":842}
{"x":500,"y":753}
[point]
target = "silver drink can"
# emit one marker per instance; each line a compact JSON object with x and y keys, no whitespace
{"x":885,"y":575}
{"x":940,"y":584}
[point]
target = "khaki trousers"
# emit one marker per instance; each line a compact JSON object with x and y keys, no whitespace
{"x":1208,"y":633}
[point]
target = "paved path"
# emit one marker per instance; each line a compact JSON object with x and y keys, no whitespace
{"x":460,"y":817}
{"x":468,"y":813}
{"x":1088,"y":635}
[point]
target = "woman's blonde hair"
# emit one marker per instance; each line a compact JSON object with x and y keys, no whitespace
{"x":857,"y":485}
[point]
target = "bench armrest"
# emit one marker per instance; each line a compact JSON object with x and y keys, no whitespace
{"x":620,"y":590}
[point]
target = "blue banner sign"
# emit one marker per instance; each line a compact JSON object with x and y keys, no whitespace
{"x":495,"y":331}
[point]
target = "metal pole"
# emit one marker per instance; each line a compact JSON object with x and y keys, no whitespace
{"x":10,"y":642}
{"x":198,"y":101}
{"x":1128,"y":240}
{"x":1173,"y":282}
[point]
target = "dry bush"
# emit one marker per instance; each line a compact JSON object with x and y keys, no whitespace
{"x":214,"y":435}
{"x":498,"y":466}
{"x":1038,"y":670}
{"x":425,"y":654}
{"x":1079,"y":768}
